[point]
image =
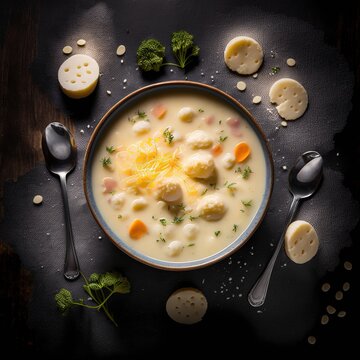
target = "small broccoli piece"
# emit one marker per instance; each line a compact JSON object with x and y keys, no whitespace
{"x":150,"y":55}
{"x":64,"y":300}
{"x":183,"y":47}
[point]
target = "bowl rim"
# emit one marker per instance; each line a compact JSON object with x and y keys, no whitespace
{"x":164,"y":264}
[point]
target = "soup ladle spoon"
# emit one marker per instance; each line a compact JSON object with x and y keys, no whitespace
{"x":304,"y":180}
{"x":60,"y":153}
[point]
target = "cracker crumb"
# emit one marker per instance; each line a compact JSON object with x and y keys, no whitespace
{"x":339,"y":295}
{"x":81,"y":42}
{"x":346,"y":286}
{"x":120,"y":50}
{"x":67,"y":50}
{"x":37,"y":200}
{"x":284,"y":123}
{"x":311,"y":340}
{"x":256,"y":99}
{"x":324,"y":320}
{"x":330,"y":310}
{"x":241,"y":85}
{"x":291,"y":62}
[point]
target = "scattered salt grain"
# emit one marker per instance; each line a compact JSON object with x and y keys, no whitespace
{"x":125,"y":81}
{"x":100,"y":237}
{"x":284,"y":123}
{"x":82,"y":131}
{"x":284,"y":167}
{"x":122,"y":61}
{"x":108,"y":92}
{"x":81,"y":42}
{"x":37,"y":200}
{"x":255,"y":76}
{"x":291,"y":62}
{"x":120,"y":50}
{"x":67,"y":50}
{"x":171,"y":70}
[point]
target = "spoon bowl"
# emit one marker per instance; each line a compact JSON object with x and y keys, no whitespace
{"x":60,"y":154}
{"x":304,"y":179}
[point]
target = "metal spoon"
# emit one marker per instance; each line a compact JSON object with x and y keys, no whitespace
{"x":60,"y":152}
{"x":304,"y":180}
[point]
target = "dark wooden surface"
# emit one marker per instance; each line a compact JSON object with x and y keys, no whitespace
{"x":25,"y":110}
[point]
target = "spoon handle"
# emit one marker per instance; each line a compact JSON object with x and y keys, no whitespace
{"x":71,"y":266}
{"x":257,"y":294}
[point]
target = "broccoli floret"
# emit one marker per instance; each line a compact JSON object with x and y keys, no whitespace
{"x":150,"y":55}
{"x":64,"y":300}
{"x":183,"y":47}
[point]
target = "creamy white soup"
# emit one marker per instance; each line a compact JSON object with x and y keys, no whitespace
{"x":179,"y":176}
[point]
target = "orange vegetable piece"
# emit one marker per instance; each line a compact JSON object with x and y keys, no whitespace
{"x":241,"y":151}
{"x":159,"y":111}
{"x":137,"y":229}
{"x":217,"y":149}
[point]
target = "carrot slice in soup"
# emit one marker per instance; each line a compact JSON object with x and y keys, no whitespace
{"x":241,"y":151}
{"x":137,"y":229}
{"x":159,"y":111}
{"x":217,"y":149}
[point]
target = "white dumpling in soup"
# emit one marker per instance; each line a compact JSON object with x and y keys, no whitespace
{"x":212,"y":207}
{"x":168,"y":190}
{"x":200,"y":165}
{"x":199,"y":139}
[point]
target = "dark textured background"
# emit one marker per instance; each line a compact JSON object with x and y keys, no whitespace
{"x":326,"y":46}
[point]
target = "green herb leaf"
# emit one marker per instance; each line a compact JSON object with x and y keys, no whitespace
{"x":192,"y":218}
{"x":163,"y":221}
{"x":235,"y":227}
{"x":200,"y":110}
{"x":119,"y":216}
{"x":178,"y":220}
{"x":222,"y":138}
{"x":204,"y":192}
{"x":141,"y":114}
{"x":192,"y":244}
{"x":246,"y":172}
{"x":238,"y":170}
{"x":168,"y":136}
{"x":161,"y":238}
{"x":110,"y":149}
{"x":275,"y":70}
{"x":106,"y":162}
{"x":217,"y":233}
{"x":247,"y":203}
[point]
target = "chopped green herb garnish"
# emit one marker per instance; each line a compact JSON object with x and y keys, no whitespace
{"x":163,"y":221}
{"x":242,"y":210}
{"x":238,"y":170}
{"x":214,"y":186}
{"x":161,"y":238}
{"x":100,"y":288}
{"x":119,"y":216}
{"x":178,"y":220}
{"x":222,"y":138}
{"x":201,"y":110}
{"x":192,"y":244}
{"x":180,"y":206}
{"x":106,"y":161}
{"x":168,"y":136}
{"x":230,"y":186}
{"x":141,"y":114}
{"x":247,"y":203}
{"x":235,"y":227}
{"x":110,"y":149}
{"x":220,"y":121}
{"x":246,"y":172}
{"x":192,"y":218}
{"x":204,"y":192}
{"x":154,"y":218}
{"x":217,"y":233}
{"x":275,"y":70}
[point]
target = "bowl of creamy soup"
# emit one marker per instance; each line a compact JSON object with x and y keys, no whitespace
{"x":178,"y":175}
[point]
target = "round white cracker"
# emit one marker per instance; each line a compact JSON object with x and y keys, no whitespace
{"x":244,"y":55}
{"x":301,"y":241}
{"x":291,"y":98}
{"x":186,"y":306}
